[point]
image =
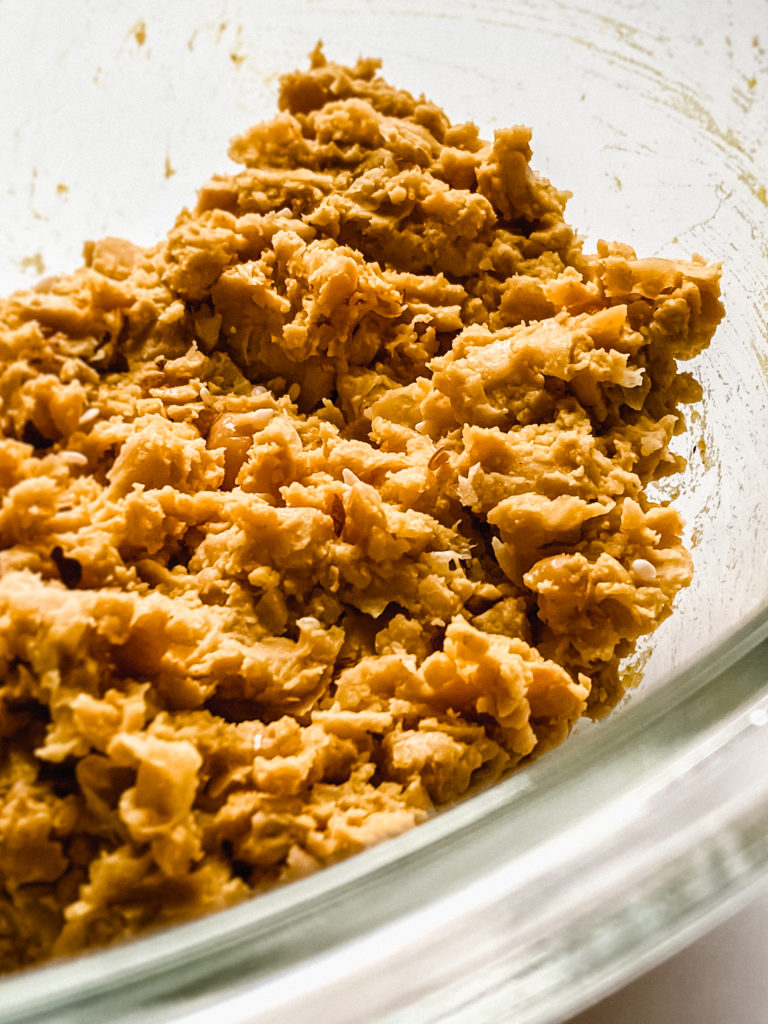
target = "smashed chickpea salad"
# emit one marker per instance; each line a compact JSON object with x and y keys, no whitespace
{"x":321,"y":513}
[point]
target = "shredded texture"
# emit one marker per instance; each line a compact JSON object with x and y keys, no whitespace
{"x":321,"y":513}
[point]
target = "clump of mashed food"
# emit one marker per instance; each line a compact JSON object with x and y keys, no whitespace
{"x":321,"y":513}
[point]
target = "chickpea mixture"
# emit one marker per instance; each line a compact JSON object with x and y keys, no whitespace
{"x":322,"y":513}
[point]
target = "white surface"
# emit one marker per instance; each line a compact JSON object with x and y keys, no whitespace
{"x":721,"y":978}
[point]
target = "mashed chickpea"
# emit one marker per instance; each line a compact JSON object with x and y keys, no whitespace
{"x":321,"y":513}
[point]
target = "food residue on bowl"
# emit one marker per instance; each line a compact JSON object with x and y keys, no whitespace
{"x":320,"y":514}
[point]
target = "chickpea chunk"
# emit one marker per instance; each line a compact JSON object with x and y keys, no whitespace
{"x":234,"y":432}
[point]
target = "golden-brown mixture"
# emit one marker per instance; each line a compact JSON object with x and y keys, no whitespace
{"x":323,"y":511}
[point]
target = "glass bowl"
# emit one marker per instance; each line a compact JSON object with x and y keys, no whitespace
{"x":530,"y":900}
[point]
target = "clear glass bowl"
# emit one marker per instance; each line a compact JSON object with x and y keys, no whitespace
{"x":528,"y":901}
